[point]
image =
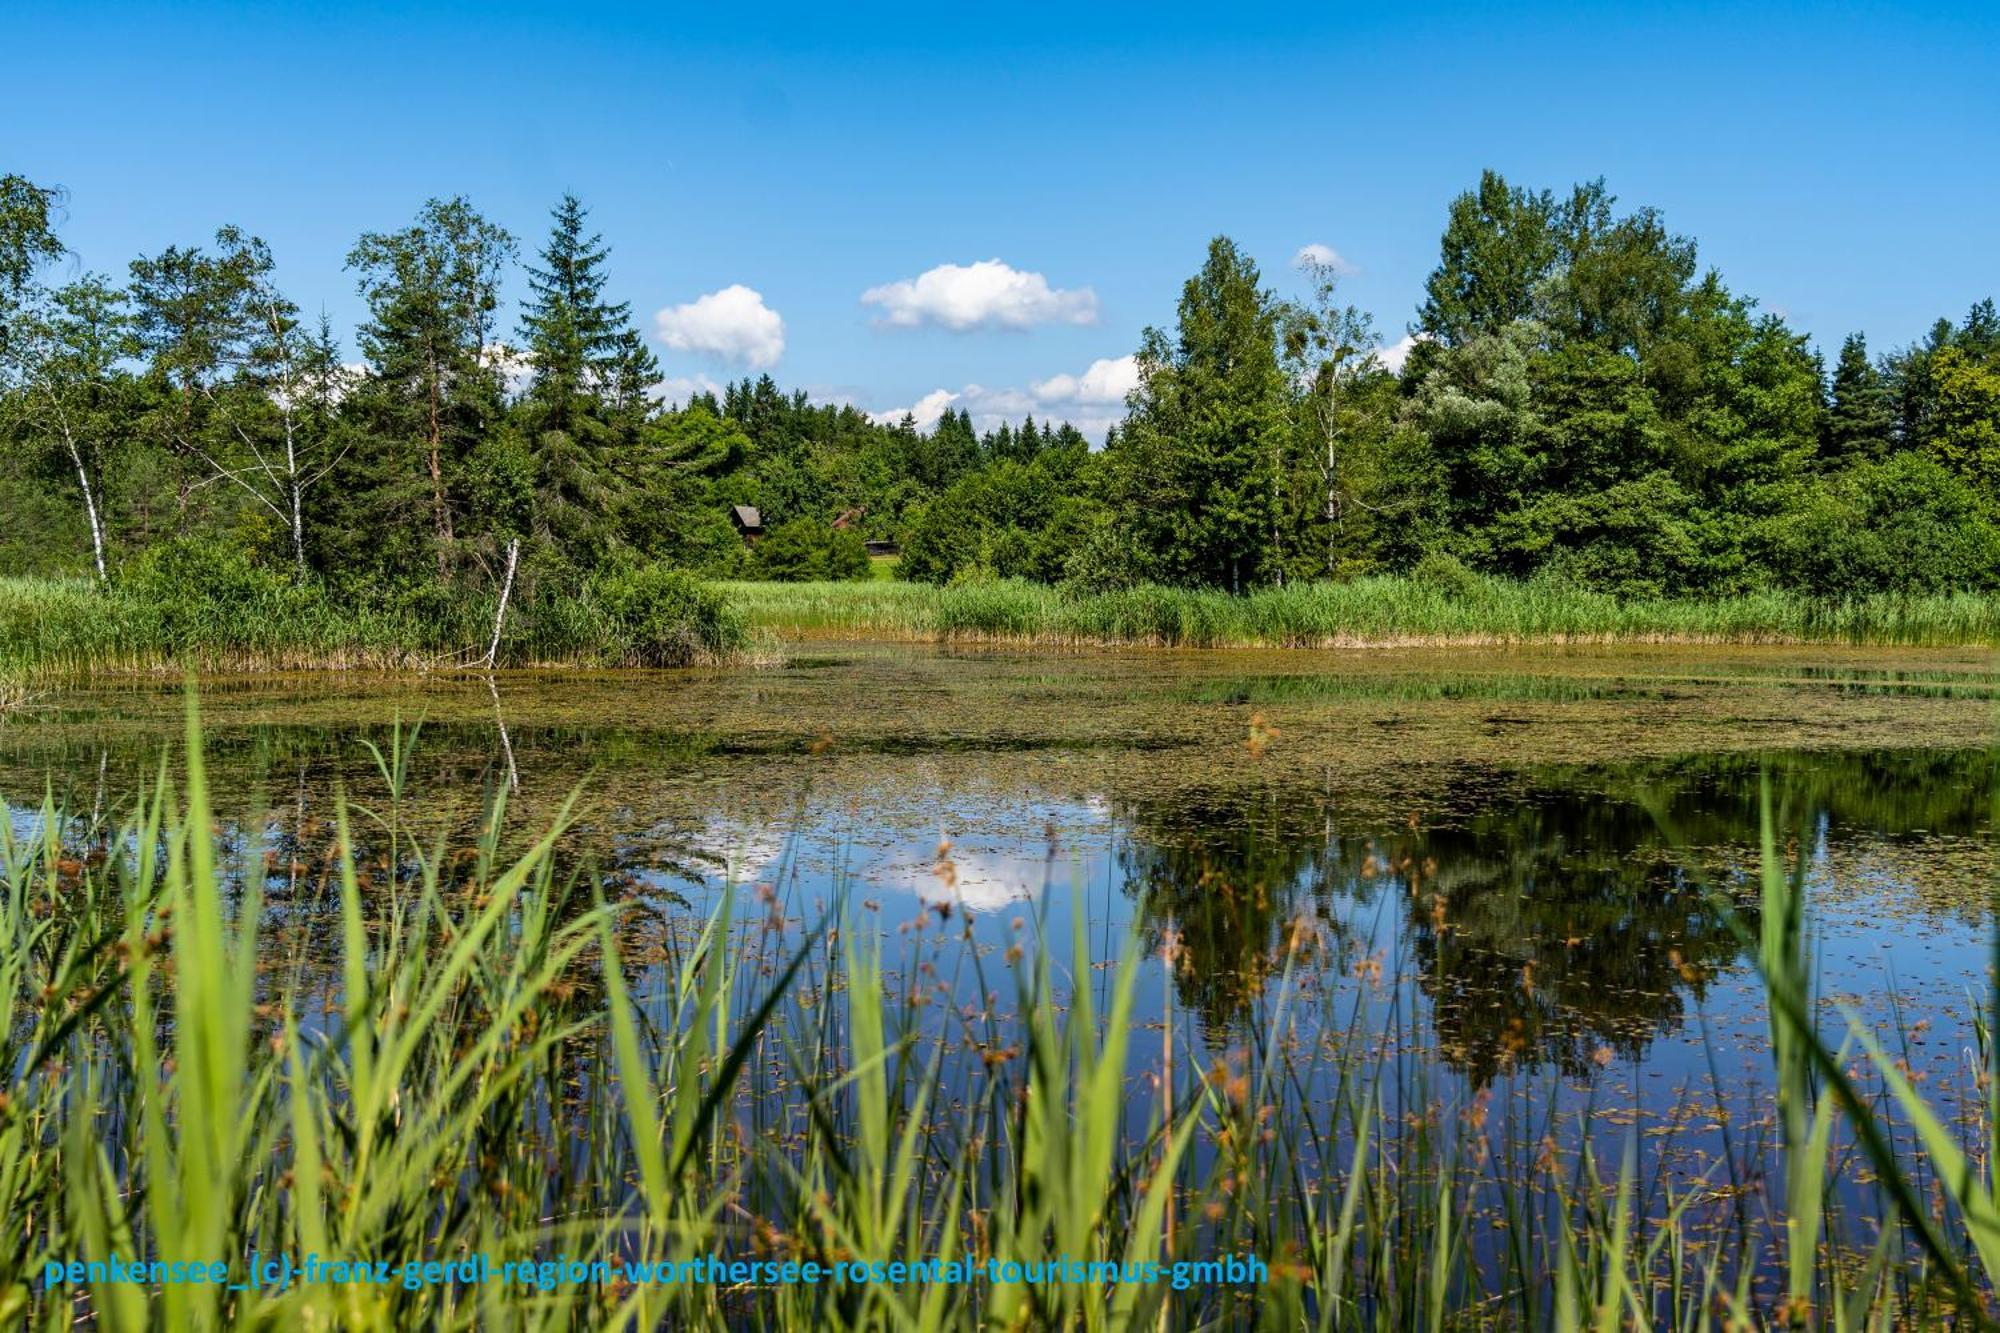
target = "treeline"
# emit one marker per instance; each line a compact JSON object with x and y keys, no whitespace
{"x":1581,"y":404}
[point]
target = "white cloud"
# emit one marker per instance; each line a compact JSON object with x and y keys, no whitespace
{"x":1321,"y":256}
{"x":1107,"y":381}
{"x":516,"y":367}
{"x":925,"y":411}
{"x":984,"y":295}
{"x":733,"y":324}
{"x":1392,"y":357}
{"x":677,"y":389}
{"x":1093,"y":401}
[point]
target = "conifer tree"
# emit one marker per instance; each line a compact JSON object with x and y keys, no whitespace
{"x":1860,"y":417}
{"x":433,"y":392}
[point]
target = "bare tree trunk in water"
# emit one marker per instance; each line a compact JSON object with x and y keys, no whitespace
{"x":506,"y":590}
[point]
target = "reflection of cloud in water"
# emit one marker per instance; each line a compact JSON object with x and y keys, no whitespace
{"x":990,"y":868}
{"x":743,"y":855}
{"x":981,"y":881}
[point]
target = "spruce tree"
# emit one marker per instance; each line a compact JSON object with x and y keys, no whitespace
{"x":583,"y":348}
{"x":1860,"y":417}
{"x":581,"y":415}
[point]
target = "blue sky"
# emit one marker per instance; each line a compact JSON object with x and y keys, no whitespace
{"x":1839,"y":164}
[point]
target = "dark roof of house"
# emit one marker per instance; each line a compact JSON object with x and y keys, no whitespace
{"x":747,"y":515}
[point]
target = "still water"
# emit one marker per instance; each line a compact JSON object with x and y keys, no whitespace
{"x":1532,"y":857}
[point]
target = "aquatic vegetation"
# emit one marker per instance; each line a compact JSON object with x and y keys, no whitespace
{"x":507,"y":1056}
{"x":1367,"y":611}
{"x":177,"y":611}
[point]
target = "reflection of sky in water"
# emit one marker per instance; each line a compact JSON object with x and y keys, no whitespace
{"x":972,"y":861}
{"x":1526,"y":857}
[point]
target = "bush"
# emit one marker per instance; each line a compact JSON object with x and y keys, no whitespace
{"x":1446,"y":575}
{"x":1905,"y":524}
{"x":210,"y":594}
{"x":805,"y":550}
{"x":666,"y":618}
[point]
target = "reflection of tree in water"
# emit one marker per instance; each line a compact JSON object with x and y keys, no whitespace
{"x":1553,"y":927}
{"x":1225,"y":874}
{"x":1549,"y":917}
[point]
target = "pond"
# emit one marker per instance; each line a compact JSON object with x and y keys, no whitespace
{"x":1529,"y":868}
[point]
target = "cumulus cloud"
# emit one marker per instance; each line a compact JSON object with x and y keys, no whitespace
{"x":1321,"y":256}
{"x":733,"y":324}
{"x":1107,"y":381}
{"x":984,"y":295}
{"x":516,"y":367}
{"x":1392,"y":357}
{"x":1092,"y":401}
{"x":675,"y":390}
{"x":926,"y":410}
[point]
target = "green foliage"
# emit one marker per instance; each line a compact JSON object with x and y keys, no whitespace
{"x":1581,"y":408}
{"x":1860,"y":417}
{"x":1448,"y":576}
{"x":665,"y":618}
{"x":1965,"y":430}
{"x":1904,"y":524}
{"x":808,"y":551}
{"x":1195,"y":472}
{"x":1009,"y":519}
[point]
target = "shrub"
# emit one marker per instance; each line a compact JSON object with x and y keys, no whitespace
{"x":205,"y":593}
{"x":666,"y":617}
{"x":1906,"y":524}
{"x":1448,"y":576}
{"x":805,"y":550}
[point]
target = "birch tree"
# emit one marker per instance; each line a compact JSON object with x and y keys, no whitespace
{"x":250,"y":393}
{"x":1329,"y":350}
{"x":61,"y":367}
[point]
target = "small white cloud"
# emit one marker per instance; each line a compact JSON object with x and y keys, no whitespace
{"x":1093,"y":401}
{"x":733,"y":324}
{"x":676,"y":390}
{"x":1392,"y":357}
{"x":1107,"y":380}
{"x":925,"y":411}
{"x":984,"y":295}
{"x":1321,"y":256}
{"x":516,"y":367}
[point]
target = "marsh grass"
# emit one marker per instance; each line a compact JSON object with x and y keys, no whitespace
{"x":489,"y":1056}
{"x":1388,"y":611}
{"x":52,"y":629}
{"x":55,"y":628}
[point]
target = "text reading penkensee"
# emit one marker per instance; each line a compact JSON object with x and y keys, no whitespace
{"x":280,"y":1272}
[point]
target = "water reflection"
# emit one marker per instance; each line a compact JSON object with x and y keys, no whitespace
{"x":1551,"y":915}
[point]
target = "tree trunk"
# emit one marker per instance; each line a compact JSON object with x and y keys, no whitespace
{"x":292,"y":485}
{"x":506,"y":590}
{"x":440,"y":512}
{"x":1332,"y":509}
{"x":89,"y":509}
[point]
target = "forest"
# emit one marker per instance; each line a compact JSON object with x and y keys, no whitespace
{"x":1583,"y":407}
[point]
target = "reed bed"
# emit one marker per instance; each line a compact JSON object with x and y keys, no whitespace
{"x":1376,"y":611}
{"x":53,"y":629}
{"x":486,"y":1058}
{"x":66,"y":628}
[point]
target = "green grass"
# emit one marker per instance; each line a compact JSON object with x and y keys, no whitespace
{"x":1377,"y":610}
{"x":57,"y":628}
{"x":490,"y":1058}
{"x":73,"y":627}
